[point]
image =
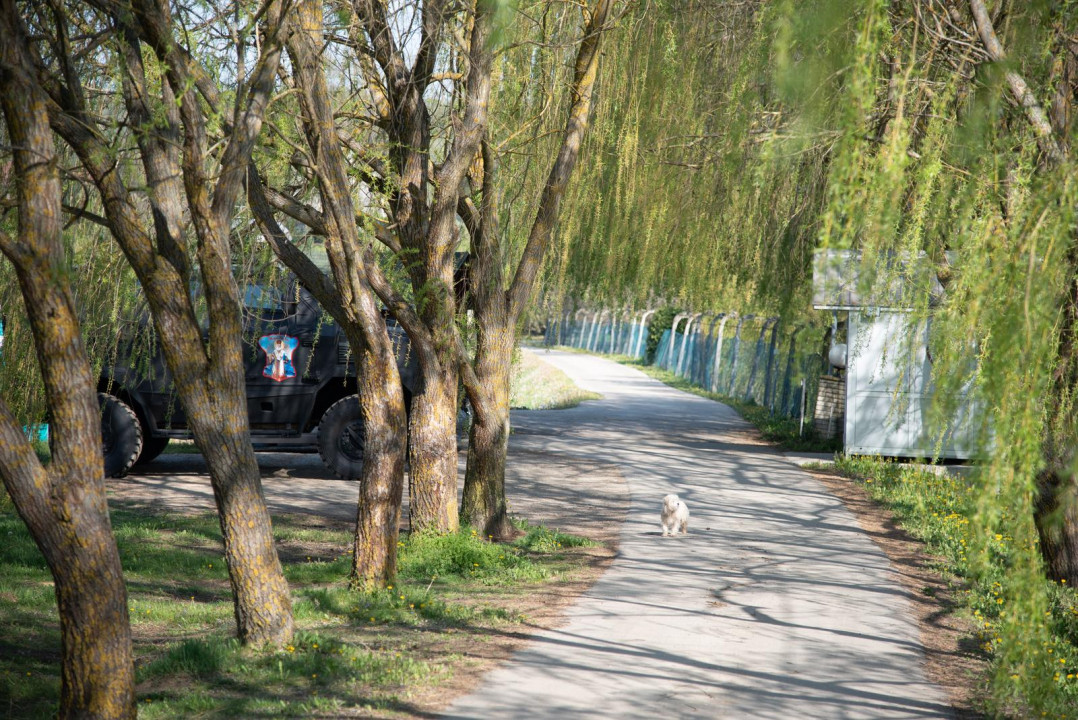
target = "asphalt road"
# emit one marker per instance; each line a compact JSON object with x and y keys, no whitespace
{"x":775,"y":605}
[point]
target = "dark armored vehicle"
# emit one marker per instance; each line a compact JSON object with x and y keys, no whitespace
{"x":301,"y":386}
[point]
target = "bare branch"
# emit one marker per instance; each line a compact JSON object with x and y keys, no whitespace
{"x":1042,"y":128}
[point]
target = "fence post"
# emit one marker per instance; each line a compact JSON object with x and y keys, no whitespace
{"x":737,"y":349}
{"x":673,"y":339}
{"x":593,"y":341}
{"x":699,"y":349}
{"x":756,"y":355}
{"x":769,"y":379}
{"x":627,"y":333}
{"x":684,"y":343}
{"x":717,"y":366}
{"x":789,"y":369}
{"x":801,"y":424}
{"x":619,"y":330}
{"x":641,"y":348}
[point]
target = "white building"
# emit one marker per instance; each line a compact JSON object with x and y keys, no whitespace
{"x":888,"y":374}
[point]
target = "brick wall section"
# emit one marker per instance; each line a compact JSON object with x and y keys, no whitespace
{"x":830,"y":420}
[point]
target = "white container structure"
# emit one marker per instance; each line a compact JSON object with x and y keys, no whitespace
{"x":888,"y":365}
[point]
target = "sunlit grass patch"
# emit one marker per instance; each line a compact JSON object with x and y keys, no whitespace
{"x":543,"y":539}
{"x":464,"y":555}
{"x":536,"y":385}
{"x":354,"y":653}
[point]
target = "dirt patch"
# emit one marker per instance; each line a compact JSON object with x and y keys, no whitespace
{"x":949,"y":661}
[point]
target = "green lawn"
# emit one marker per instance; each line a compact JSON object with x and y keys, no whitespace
{"x":386,"y":652}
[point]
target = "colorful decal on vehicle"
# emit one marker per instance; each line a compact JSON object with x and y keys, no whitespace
{"x":279,"y":349}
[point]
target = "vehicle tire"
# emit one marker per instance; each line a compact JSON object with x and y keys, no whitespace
{"x":151,"y":448}
{"x":121,"y":435}
{"x":341,"y":438}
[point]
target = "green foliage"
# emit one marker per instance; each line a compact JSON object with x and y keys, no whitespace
{"x":659,"y":323}
{"x":463,"y":554}
{"x":1038,"y":669}
{"x":541,"y":539}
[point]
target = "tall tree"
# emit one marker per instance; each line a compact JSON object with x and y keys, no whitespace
{"x":178,"y":229}
{"x":1056,"y":508}
{"x":391,"y":139}
{"x":412,"y":125}
{"x":349,"y":297}
{"x":500,"y":302}
{"x":63,"y":503}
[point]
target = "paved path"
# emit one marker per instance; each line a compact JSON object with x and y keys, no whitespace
{"x":775,"y":605}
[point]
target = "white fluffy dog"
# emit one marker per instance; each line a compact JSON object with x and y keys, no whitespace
{"x":675,"y":516}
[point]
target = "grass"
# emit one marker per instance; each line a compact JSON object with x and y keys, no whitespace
{"x":354,"y":653}
{"x":536,"y":385}
{"x":785,"y":432}
{"x":936,"y":509}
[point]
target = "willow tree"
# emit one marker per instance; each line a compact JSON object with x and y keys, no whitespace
{"x":698,"y":206}
{"x":63,"y":504}
{"x":402,"y":119}
{"x":888,"y":129}
{"x":952,"y":125}
{"x":169,"y":204}
{"x":503,"y":280}
{"x":412,"y":86}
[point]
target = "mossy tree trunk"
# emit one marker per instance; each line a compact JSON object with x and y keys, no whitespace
{"x":347,"y":294}
{"x":420,"y":199}
{"x":63,"y":504}
{"x":499,"y":307}
{"x":1056,"y":505}
{"x":483,"y":505}
{"x":191,"y":190}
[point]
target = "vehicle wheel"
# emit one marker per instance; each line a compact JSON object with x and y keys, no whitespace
{"x":121,"y":435}
{"x":151,"y":448}
{"x":341,"y":438}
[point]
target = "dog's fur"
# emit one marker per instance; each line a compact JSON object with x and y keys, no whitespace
{"x":675,"y":516}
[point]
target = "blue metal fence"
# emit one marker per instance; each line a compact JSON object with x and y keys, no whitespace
{"x":755,"y":359}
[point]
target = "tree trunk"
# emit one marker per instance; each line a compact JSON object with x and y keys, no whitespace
{"x":1056,"y":506}
{"x":63,"y":505}
{"x":262,"y":600}
{"x":499,"y":308}
{"x":207,"y":370}
{"x":68,"y":519}
{"x":433,"y":452}
{"x":1057,"y":525}
{"x":374,"y":561}
{"x":484,"y":504}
